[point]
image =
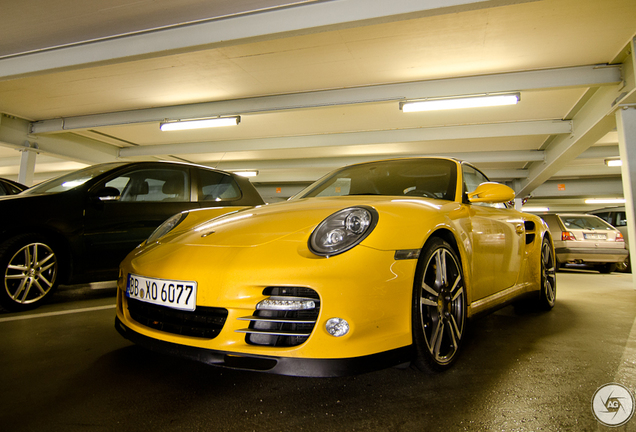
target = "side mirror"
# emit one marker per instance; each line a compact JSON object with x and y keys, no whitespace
{"x":491,"y":193}
{"x":107,"y":194}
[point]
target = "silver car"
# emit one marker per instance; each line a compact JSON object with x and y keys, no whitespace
{"x":616,"y":216}
{"x":586,"y":239}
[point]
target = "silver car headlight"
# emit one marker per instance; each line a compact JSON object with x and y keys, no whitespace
{"x":343,"y":230}
{"x":170,"y":224}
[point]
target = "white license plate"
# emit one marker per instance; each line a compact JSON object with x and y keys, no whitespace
{"x":595,"y":236}
{"x":174,"y":294}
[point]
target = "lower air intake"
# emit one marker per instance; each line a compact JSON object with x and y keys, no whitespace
{"x":285,"y":319}
{"x":204,"y":322}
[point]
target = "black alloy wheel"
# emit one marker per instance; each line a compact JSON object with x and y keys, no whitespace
{"x":548,"y":276}
{"x":29,"y":268}
{"x":439,"y":307}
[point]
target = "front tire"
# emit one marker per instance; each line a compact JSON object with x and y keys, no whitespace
{"x":439,"y":307}
{"x":29,"y":266}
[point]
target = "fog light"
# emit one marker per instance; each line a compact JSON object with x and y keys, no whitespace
{"x":337,"y":327}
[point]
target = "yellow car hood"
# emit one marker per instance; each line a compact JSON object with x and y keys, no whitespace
{"x":264,"y":224}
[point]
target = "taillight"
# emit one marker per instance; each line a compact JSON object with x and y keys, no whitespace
{"x":619,"y":237}
{"x":567,"y":235}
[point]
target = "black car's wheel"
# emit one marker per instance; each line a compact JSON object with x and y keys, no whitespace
{"x":29,"y":268}
{"x":439,"y":307}
{"x":548,"y":276}
{"x":606,"y":268}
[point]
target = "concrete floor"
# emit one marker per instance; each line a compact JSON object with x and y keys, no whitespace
{"x":63,"y":367}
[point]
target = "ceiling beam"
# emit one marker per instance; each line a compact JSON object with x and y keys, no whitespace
{"x":576,"y":171}
{"x":14,"y":133}
{"x":604,"y":187}
{"x":330,"y":163}
{"x":578,"y":76}
{"x":258,"y":25}
{"x":541,"y":127}
{"x":310,"y":169}
{"x":590,"y":123}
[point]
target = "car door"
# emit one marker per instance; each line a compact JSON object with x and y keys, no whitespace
{"x":114,"y":226}
{"x":497,"y":241}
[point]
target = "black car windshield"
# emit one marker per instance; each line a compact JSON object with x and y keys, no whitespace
{"x":71,"y":180}
{"x":431,"y":178}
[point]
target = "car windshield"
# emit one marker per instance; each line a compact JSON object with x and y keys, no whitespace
{"x":585,"y":223}
{"x":71,"y":180}
{"x":432,"y":178}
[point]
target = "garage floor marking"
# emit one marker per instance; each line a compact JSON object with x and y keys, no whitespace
{"x":48,"y":314}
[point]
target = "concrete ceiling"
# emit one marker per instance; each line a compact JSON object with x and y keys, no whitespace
{"x":318,"y":85}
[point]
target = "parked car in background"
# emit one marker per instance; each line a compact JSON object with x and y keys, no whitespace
{"x":375,"y":265}
{"x":10,"y":187}
{"x":616,"y":217}
{"x":77,"y":228}
{"x":586,"y":239}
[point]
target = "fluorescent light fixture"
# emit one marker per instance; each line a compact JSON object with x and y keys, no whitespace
{"x":249,"y":173}
{"x":460,"y":102}
{"x":605,"y":201}
{"x":613,"y":162}
{"x":199,"y":123}
{"x":530,"y":209}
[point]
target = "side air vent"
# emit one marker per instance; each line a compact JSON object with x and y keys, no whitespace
{"x":285,"y":318}
{"x":530,"y":231}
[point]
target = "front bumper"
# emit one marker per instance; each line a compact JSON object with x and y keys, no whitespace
{"x":277,"y":365}
{"x":366,"y":287}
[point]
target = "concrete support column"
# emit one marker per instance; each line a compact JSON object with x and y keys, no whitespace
{"x":27,"y":164}
{"x":626,"y":127}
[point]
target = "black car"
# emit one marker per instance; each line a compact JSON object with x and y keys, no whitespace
{"x":78,"y":227}
{"x":10,"y":187}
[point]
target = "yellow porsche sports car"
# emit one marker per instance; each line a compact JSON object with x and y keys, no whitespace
{"x":375,"y":265}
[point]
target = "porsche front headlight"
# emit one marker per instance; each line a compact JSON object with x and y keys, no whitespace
{"x":342,"y":230}
{"x":170,"y":224}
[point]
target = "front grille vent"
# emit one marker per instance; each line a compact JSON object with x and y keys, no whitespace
{"x":285,"y":319}
{"x":204,"y":322}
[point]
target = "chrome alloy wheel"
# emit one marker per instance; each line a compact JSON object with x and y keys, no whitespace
{"x":548,"y":275}
{"x":442,"y":304}
{"x":31,"y":273}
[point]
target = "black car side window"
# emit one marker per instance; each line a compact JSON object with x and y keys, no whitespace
{"x":621,"y":219}
{"x":152,"y":185}
{"x":216,"y":186}
{"x":607,"y":217}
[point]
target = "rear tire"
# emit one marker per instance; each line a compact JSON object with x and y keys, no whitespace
{"x":625,"y":266}
{"x":439,"y":307}
{"x":29,"y":266}
{"x":547,"y":296}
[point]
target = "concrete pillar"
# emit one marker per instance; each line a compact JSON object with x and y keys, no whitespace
{"x":626,"y":127}
{"x":27,"y":164}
